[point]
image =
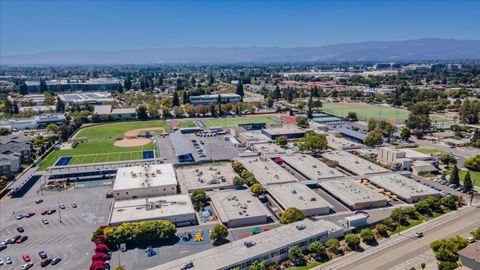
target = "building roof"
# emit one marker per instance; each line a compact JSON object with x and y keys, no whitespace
{"x":311,"y":167}
{"x":341,"y":143}
{"x":353,"y":163}
{"x":402,"y":186}
{"x":124,"y":111}
{"x":352,"y":133}
{"x":266,"y":171}
{"x":159,"y":207}
{"x":269,"y":149}
{"x":102,"y":109}
{"x":237,"y":204}
{"x":144,"y":176}
{"x":284,"y":130}
{"x":415,"y":155}
{"x":471,"y":252}
{"x":180,"y":144}
{"x":297,"y":195}
{"x":351,"y":192}
{"x":236,"y":252}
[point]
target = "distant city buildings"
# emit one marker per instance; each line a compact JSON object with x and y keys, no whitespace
{"x":213,"y":99}
{"x":100,"y":84}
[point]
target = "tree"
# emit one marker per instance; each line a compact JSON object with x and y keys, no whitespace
{"x":295,"y":253}
{"x":43,"y":86}
{"x":316,"y":248}
{"x":372,"y":124}
{"x":313,"y":142}
{"x":373,"y":138}
{"x":449,"y":202}
{"x":422,"y":207}
{"x":454,"y":177}
{"x":367,"y":235}
{"x":405,"y":134}
{"x":467,"y":182}
{"x":60,"y":106}
{"x":352,"y":240}
{"x":475,"y":140}
{"x":333,"y":245}
{"x":142,"y":113}
{"x":418,"y":122}
{"x":291,"y":215}
{"x":269,"y":102}
{"x":473,"y":163}
{"x":175,"y":100}
{"x":445,"y":251}
{"x":239,"y":90}
{"x":199,"y":198}
{"x":52,"y":128}
{"x":302,"y":121}
{"x":258,"y":265}
{"x":219,"y":233}
{"x":257,"y":189}
{"x":23,"y":88}
{"x":282,"y":140}
{"x":352,"y":116}
{"x":476,"y":233}
{"x":448,"y":159}
{"x":381,"y":230}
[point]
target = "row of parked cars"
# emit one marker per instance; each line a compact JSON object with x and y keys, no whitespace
{"x":199,"y":148}
{"x":458,"y":188}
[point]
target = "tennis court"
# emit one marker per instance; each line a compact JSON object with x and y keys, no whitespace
{"x":148,"y":154}
{"x":63,"y":161}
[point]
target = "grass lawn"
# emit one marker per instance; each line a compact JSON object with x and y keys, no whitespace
{"x":473,"y":174}
{"x":306,"y":267}
{"x":236,"y":121}
{"x":377,"y":111}
{"x":114,"y":130}
{"x":429,"y":151}
{"x":100,"y":148}
{"x":186,"y":124}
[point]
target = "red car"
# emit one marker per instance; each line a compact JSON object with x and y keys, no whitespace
{"x":21,"y":239}
{"x":45,"y":262}
{"x":26,"y":257}
{"x":44,"y":212}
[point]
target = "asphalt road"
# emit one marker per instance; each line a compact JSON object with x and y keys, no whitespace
{"x":396,"y":250}
{"x":462,"y":153}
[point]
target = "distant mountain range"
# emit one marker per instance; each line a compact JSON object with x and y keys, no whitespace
{"x":433,"y":49}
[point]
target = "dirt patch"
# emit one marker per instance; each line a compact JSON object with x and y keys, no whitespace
{"x":135,"y":132}
{"x":351,"y":104}
{"x":132,"y":142}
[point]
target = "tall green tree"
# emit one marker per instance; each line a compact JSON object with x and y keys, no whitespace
{"x":43,"y":86}
{"x":467,"y":182}
{"x":60,"y":106}
{"x":291,"y":215}
{"x":405,"y":134}
{"x":142,"y":113}
{"x":374,"y":138}
{"x":239,"y":90}
{"x":175,"y":100}
{"x":454,"y":176}
{"x":219,"y":232}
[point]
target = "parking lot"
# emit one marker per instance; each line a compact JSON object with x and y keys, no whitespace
{"x":68,"y":239}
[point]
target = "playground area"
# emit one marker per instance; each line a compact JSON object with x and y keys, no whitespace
{"x":108,"y":143}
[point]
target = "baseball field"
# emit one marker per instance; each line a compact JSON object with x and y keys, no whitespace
{"x":109,"y":142}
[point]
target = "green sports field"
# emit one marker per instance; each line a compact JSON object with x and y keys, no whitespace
{"x":225,"y":122}
{"x":99,"y":146}
{"x":368,"y":111}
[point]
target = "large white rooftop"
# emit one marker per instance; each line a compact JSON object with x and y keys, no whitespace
{"x":287,"y":129}
{"x":266,"y":171}
{"x":297,"y":195}
{"x":151,"y":208}
{"x":353,"y":163}
{"x":234,"y":253}
{"x":144,"y":176}
{"x":402,"y":186}
{"x":351,"y":192}
{"x":311,"y":167}
{"x":340,"y":143}
{"x":237,"y":204}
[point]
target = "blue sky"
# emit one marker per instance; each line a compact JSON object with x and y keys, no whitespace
{"x":36,"y":26}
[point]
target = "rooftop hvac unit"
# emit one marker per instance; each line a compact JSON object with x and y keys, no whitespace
{"x":294,"y":191}
{"x":249,"y":243}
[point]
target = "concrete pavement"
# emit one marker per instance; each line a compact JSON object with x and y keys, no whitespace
{"x":395,"y":251}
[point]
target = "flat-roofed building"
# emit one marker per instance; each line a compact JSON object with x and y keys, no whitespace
{"x":86,"y":98}
{"x":144,"y":181}
{"x":236,"y":208}
{"x":341,"y":143}
{"x":269,"y":149}
{"x":266,"y":171}
{"x":206,"y":177}
{"x":405,"y":188}
{"x":310,"y":167}
{"x":213,"y":99}
{"x":176,"y":208}
{"x":271,"y":246}
{"x":299,"y":196}
{"x":354,"y":164}
{"x":470,"y":256}
{"x":289,"y":131}
{"x":252,"y":137}
{"x":353,"y":194}
{"x":105,"y":112}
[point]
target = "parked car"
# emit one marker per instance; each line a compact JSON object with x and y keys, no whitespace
{"x":15,"y":238}
{"x":26,"y":257}
{"x":42,"y":254}
{"x":44,"y":212}
{"x":1,"y":261}
{"x":74,"y":205}
{"x":419,"y":234}
{"x":56,"y":260}
{"x":470,"y":239}
{"x":62,"y":206}
{"x":51,"y":211}
{"x":8,"y":260}
{"x":26,"y":266}
{"x":20,"y":229}
{"x":39,"y":201}
{"x":2,"y":247}
{"x":45,"y":262}
{"x":19,"y":217}
{"x":45,"y":221}
{"x":21,"y":239}
{"x":29,"y":214}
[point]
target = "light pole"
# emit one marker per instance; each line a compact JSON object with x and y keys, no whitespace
{"x":59,"y":210}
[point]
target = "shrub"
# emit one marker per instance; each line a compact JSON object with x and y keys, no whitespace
{"x":367,"y":236}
